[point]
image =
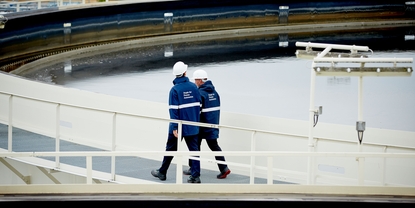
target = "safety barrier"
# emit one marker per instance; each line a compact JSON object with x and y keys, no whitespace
{"x":41,"y":4}
{"x":132,"y":127}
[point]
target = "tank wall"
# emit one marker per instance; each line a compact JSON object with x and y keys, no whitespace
{"x":43,"y":30}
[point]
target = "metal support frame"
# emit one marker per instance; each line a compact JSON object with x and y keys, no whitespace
{"x":334,"y":58}
{"x":57,"y":141}
{"x":10,"y":125}
{"x":252,"y":167}
{"x":113,"y":145}
{"x":24,"y":178}
{"x":49,"y":175}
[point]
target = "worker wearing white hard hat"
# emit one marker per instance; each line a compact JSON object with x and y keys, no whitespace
{"x":179,"y":68}
{"x":184,"y":104}
{"x":210,"y":113}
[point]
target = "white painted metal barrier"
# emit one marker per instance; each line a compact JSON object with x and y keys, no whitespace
{"x":268,"y":154}
{"x":277,"y":147}
{"x":19,"y":6}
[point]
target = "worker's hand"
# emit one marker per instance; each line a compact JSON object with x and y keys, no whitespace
{"x":175,"y":133}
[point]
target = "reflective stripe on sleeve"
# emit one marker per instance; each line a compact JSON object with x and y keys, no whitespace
{"x":188,"y":105}
{"x":210,"y":109}
{"x":174,"y":107}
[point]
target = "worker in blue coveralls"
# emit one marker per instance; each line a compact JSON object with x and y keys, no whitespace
{"x":184,"y":104}
{"x":210,"y":113}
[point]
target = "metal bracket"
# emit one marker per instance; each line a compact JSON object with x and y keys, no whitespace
{"x":24,"y":178}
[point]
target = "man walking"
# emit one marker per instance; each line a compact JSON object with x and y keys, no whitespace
{"x":184,"y":104}
{"x":210,"y":113}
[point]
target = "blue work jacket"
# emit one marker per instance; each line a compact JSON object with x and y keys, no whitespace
{"x":184,"y":104}
{"x":210,"y":112}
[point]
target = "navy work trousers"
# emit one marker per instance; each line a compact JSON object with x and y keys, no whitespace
{"x":192,"y":144}
{"x":214,"y":146}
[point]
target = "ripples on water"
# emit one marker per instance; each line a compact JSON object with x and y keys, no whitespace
{"x":253,"y":76}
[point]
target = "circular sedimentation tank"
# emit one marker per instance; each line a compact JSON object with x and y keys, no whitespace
{"x":36,"y":34}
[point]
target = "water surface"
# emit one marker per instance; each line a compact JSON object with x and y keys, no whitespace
{"x":255,"y":75}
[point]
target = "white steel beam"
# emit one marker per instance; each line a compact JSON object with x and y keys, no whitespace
{"x":24,"y":178}
{"x":50,"y":176}
{"x":333,"y":46}
{"x":362,"y":60}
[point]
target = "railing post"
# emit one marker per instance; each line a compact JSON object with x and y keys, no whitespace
{"x":383,"y":169}
{"x":168,"y":22}
{"x":179,"y":170}
{"x":113,"y":145}
{"x":179,"y":166}
{"x":10,"y":127}
{"x":88,"y":169}
{"x":361,"y":161}
{"x":179,"y":133}
{"x":252,"y":169}
{"x":57,"y":136}
{"x":361,"y":169}
{"x":270,"y":179}
{"x":311,"y":124}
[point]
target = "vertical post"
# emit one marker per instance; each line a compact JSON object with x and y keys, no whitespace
{"x":252,"y":172}
{"x":361,"y":161}
{"x":10,"y":127}
{"x":270,"y":179}
{"x":88,"y":169}
{"x":360,"y":99}
{"x":283,"y":14}
{"x":113,"y":145}
{"x":179,"y":166}
{"x":311,"y":124}
{"x":57,"y":136}
{"x":179,"y":133}
{"x":311,"y":116}
{"x":168,"y":22}
{"x":179,"y":170}
{"x":383,"y":165}
{"x":67,"y":36}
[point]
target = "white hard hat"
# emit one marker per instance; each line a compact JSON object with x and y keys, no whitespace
{"x":179,"y":68}
{"x":200,"y":74}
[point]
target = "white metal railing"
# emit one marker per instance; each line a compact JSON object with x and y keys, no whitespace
{"x":180,"y":154}
{"x":252,"y":153}
{"x":115,"y":114}
{"x":19,"y":6}
{"x":54,"y":107}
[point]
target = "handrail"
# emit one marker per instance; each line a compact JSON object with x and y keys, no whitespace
{"x":10,"y":96}
{"x":268,"y":154}
{"x":207,"y":153}
{"x":59,"y":3}
{"x":362,"y":60}
{"x":200,"y":124}
{"x":157,"y":118}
